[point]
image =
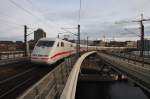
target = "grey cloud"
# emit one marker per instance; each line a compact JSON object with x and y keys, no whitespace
{"x":97,"y":16}
{"x":62,"y":16}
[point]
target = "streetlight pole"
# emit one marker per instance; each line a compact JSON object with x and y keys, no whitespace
{"x":26,"y":50}
{"x":142,"y":36}
{"x":78,"y":38}
{"x":142,"y":40}
{"x":58,"y":36}
{"x":25,"y":39}
{"x":87,"y":43}
{"x":78,"y":43}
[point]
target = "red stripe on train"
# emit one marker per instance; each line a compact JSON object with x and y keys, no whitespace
{"x":57,"y":54}
{"x":61,"y":53}
{"x":39,"y":57}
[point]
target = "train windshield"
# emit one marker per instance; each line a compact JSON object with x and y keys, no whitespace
{"x":45,"y":43}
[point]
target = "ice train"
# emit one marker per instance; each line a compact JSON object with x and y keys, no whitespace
{"x":49,"y":51}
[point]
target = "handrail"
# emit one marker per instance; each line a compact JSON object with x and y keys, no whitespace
{"x":70,"y":88}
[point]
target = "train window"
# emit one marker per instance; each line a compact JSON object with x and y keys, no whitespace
{"x":62,"y":44}
{"x":45,"y":43}
{"x":58,"y":44}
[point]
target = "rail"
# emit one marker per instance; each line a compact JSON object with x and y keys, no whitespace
{"x":70,"y":88}
{"x":131,"y":57}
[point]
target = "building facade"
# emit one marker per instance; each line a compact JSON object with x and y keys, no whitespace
{"x":38,"y":34}
{"x":146,"y":45}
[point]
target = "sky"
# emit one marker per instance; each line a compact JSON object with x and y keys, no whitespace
{"x":99,"y":19}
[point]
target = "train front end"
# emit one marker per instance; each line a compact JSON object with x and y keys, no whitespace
{"x":42,"y":50}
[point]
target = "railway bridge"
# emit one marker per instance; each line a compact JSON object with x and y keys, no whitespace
{"x":76,"y":78}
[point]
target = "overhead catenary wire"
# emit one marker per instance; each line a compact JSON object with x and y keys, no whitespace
{"x":10,"y":26}
{"x":14,"y":20}
{"x":37,"y":17}
{"x":131,"y":32}
{"x":17,"y":5}
{"x":11,"y":22}
{"x":28,"y":12}
{"x":31,"y":3}
{"x":40,"y":11}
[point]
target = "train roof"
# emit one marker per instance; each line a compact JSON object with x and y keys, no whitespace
{"x":48,"y":39}
{"x":53,"y":39}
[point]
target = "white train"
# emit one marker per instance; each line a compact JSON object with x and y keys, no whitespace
{"x":49,"y":51}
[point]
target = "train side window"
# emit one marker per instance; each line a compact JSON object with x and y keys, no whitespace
{"x":62,"y":44}
{"x":58,"y":44}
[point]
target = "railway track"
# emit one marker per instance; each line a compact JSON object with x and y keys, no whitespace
{"x":136,"y":73}
{"x":13,"y":69}
{"x":130,"y":58}
{"x":14,"y":84}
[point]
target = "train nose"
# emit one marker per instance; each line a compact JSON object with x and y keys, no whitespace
{"x":42,"y":51}
{"x":39,"y":59}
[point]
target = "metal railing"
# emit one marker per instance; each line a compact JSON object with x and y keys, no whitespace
{"x":51,"y":85}
{"x":11,"y":55}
